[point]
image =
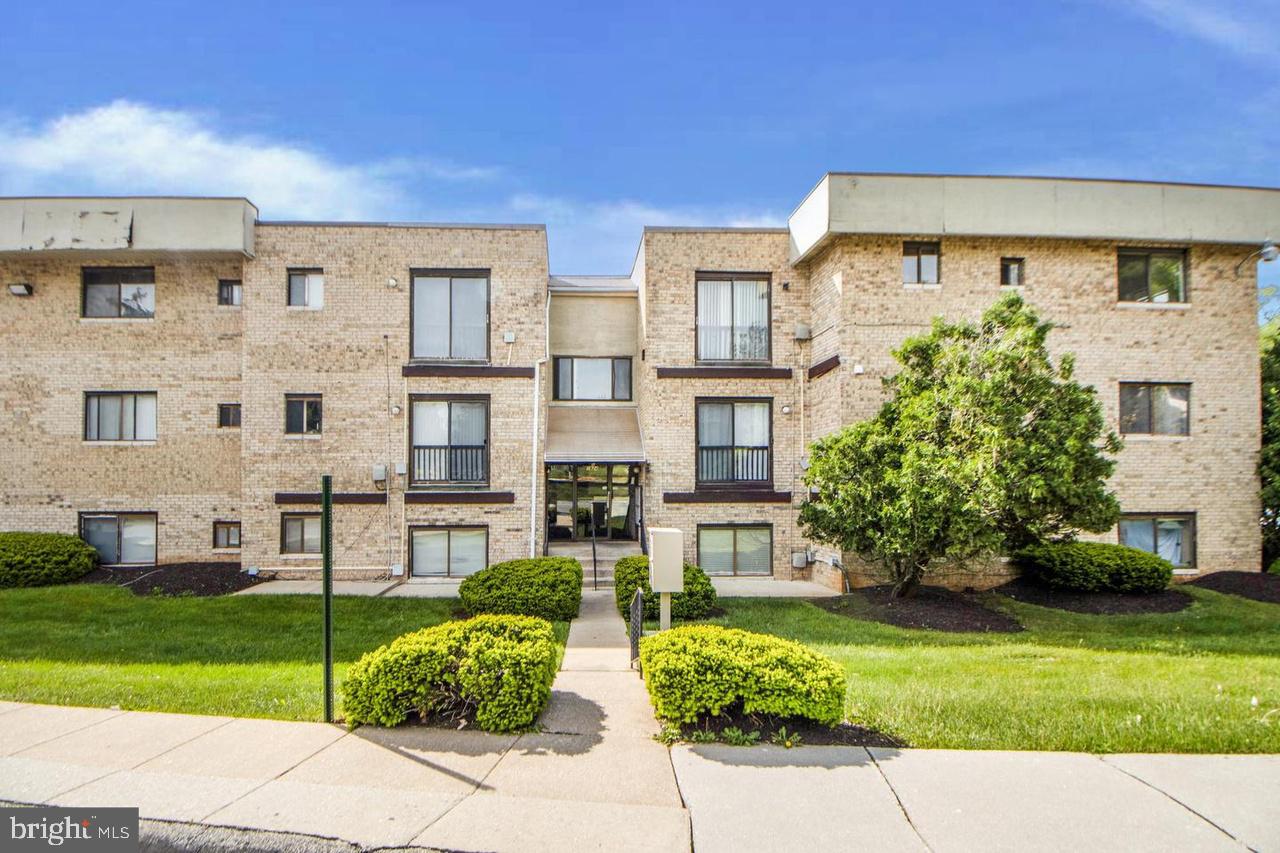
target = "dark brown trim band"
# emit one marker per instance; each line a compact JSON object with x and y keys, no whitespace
{"x":724,"y":372}
{"x":727,"y":496}
{"x":464,"y":370}
{"x":444,"y":497}
{"x":338,"y":497}
{"x":824,"y":367}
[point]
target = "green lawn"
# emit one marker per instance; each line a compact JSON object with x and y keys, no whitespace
{"x":248,"y":656}
{"x":1180,"y":682}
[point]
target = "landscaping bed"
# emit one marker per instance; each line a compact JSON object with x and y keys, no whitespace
{"x":198,"y":579}
{"x":805,"y":732}
{"x":932,"y":608}
{"x":1257,"y":586}
{"x":1098,"y":603}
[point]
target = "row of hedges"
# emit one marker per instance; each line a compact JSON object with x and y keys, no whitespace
{"x":696,"y":602}
{"x":496,"y":670}
{"x":1095,"y":567}
{"x":41,"y":559}
{"x":549,"y":587}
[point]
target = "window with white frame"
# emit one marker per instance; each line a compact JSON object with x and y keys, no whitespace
{"x":120,"y":416}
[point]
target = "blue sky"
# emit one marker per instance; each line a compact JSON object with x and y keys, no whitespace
{"x":600,"y":118}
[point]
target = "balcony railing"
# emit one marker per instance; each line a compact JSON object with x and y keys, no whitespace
{"x":733,"y":465}
{"x":457,"y":463}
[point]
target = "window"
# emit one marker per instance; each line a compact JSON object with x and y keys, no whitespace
{"x":1171,"y":536}
{"x":1012,"y":272}
{"x":128,"y":292}
{"x":302,"y":414}
{"x":226,"y":534}
{"x":306,"y":289}
{"x":300,"y":533}
{"x":122,"y":538}
{"x":450,"y":440}
{"x":921,"y":263}
{"x":114,"y":416}
{"x":1151,"y":408}
{"x":448,"y":551}
{"x":735,"y":549}
{"x":228,"y":415}
{"x":733,"y":441}
{"x":229,"y":292}
{"x":733,"y":317}
{"x":592,"y":378}
{"x":1152,"y":275}
{"x":450,"y":315}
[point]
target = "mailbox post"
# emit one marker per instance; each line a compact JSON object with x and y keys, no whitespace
{"x":666,"y":568}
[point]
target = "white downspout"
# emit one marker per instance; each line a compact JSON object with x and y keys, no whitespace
{"x":537,"y":412}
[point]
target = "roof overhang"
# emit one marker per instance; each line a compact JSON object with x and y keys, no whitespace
{"x":577,"y":434}
{"x":218,"y":225}
{"x":1068,"y":208}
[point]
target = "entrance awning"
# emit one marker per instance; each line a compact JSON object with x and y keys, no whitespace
{"x":593,"y":434}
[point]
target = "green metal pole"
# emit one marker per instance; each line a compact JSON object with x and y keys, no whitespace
{"x":326,"y":552}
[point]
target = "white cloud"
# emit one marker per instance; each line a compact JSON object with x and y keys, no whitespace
{"x":1246,"y":29}
{"x":132,"y":148}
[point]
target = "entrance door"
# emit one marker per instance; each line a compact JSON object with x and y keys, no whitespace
{"x":587,"y":498}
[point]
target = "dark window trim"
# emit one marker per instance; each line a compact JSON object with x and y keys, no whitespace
{"x":557,"y":391}
{"x":1151,"y":415}
{"x":304,"y":396}
{"x":449,"y":547}
{"x":229,"y":407}
{"x":912,"y":248}
{"x":488,"y":440}
{"x":287,"y":515}
{"x":84,"y":290}
{"x":735,"y":526}
{"x":1021,"y":263}
{"x":225,"y":522}
{"x":824,"y":367}
{"x":116,"y":513}
{"x":452,"y":273}
{"x":737,"y":485}
{"x":721,"y":275}
{"x":1147,"y":252}
{"x":1153,"y":517}
{"x":230,"y":283}
{"x":289,"y":273}
{"x":84,"y":420}
{"x":338,"y":497}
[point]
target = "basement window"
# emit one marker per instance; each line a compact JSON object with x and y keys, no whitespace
{"x":226,"y":535}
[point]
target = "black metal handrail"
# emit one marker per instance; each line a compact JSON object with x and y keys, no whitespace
{"x":733,"y":464}
{"x":456,"y":463}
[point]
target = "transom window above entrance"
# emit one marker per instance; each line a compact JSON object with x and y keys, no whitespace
{"x":450,"y":440}
{"x":733,"y":317}
{"x":579,"y":378}
{"x":450,"y":315}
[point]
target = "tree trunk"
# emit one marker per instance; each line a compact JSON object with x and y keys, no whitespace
{"x":907,"y":585}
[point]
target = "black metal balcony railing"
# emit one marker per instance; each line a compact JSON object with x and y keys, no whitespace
{"x":457,"y":463}
{"x":733,"y":465}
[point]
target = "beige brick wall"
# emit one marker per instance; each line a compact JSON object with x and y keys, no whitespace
{"x":352,"y":352}
{"x":189,"y":354}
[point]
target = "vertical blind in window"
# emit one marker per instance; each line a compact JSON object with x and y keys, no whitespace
{"x":733,"y":320}
{"x":451,"y":317}
{"x":120,"y":417}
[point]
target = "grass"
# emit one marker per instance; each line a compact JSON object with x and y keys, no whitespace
{"x":1176,"y":682}
{"x":246,"y":656}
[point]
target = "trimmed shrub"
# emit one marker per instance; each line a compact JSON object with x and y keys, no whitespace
{"x":42,"y":559}
{"x":1096,"y":567}
{"x":496,"y":670}
{"x":696,"y":602}
{"x":698,"y":671}
{"x":1274,"y":568}
{"x":550,"y":587}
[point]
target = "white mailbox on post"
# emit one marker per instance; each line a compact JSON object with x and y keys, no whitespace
{"x":666,"y":568}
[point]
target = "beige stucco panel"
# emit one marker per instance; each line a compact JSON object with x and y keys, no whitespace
{"x":595,"y":325}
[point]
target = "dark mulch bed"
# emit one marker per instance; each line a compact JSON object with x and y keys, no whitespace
{"x":932,"y":607}
{"x":199,"y":579}
{"x":811,"y":733}
{"x":1255,"y":585}
{"x":1098,"y":603}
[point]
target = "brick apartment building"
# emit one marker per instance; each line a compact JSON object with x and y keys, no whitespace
{"x":176,"y":374}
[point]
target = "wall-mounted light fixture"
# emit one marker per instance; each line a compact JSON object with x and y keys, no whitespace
{"x":395,"y":410}
{"x":392,"y":283}
{"x":786,"y":410}
{"x":1268,"y":253}
{"x":22,"y":289}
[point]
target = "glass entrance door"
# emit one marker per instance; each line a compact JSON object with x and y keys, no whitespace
{"x":587,"y":498}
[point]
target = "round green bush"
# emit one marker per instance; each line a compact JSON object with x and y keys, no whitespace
{"x":698,"y":671}
{"x":1096,"y":567}
{"x":696,"y":602}
{"x":1274,"y":568}
{"x":550,"y":587}
{"x":42,"y":559}
{"x":496,"y":670}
